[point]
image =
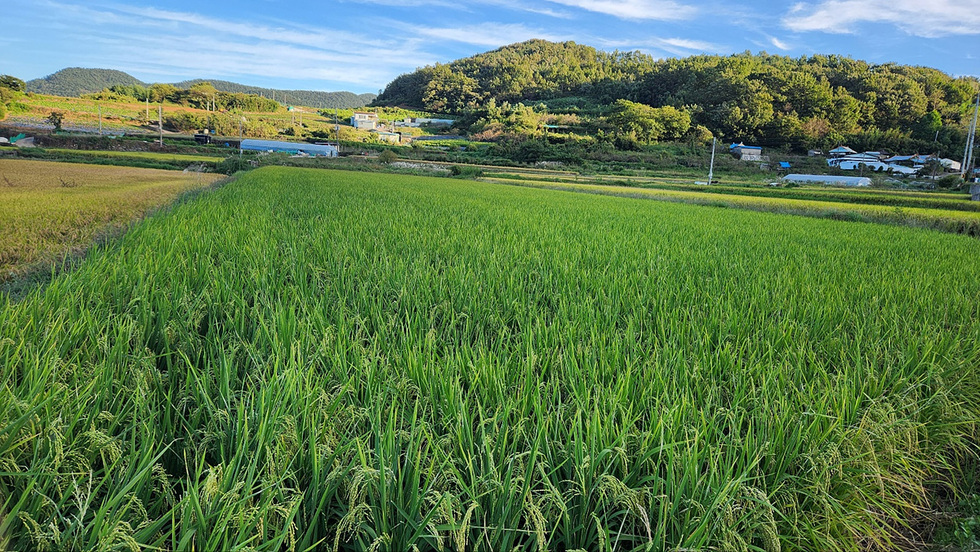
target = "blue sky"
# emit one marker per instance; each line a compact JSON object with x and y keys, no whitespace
{"x":361,"y":45}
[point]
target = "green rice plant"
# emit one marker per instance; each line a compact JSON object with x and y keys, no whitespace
{"x":961,"y":220}
{"x":328,"y":360}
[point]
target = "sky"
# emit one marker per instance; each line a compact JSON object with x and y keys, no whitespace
{"x":361,"y":45}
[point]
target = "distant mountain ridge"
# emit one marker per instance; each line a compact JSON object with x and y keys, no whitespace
{"x":311,"y":98}
{"x":75,"y":81}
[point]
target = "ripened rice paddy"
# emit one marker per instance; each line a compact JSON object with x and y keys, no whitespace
{"x":328,"y":360}
{"x":48,"y":209}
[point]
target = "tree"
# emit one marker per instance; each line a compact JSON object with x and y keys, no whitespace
{"x":675,"y":122}
{"x":13,"y":83}
{"x":387,"y":156}
{"x":450,"y":91}
{"x":160,"y":93}
{"x":635,"y":120}
{"x":56,"y":118}
{"x":201,"y":95}
{"x":927,"y":127}
{"x":647,"y":124}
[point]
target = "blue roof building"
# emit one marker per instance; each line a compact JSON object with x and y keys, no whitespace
{"x":289,"y":147}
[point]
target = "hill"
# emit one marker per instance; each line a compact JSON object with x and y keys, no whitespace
{"x":310,"y":98}
{"x":75,"y":81}
{"x":527,"y":71}
{"x":773,"y":100}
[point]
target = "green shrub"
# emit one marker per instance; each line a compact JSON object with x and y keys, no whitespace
{"x":949,"y":181}
{"x":387,"y":156}
{"x":233,"y":164}
{"x":184,"y":122}
{"x":466,"y":171}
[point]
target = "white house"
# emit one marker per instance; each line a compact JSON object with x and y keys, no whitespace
{"x":364,"y":120}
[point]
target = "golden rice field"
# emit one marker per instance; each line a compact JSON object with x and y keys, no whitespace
{"x":51,"y":209}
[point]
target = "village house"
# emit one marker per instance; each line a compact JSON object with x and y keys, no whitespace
{"x":364,"y":120}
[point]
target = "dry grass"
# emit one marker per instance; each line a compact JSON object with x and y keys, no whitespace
{"x":51,"y":209}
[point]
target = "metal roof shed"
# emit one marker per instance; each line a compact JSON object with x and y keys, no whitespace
{"x":288,"y":147}
{"x":828,"y":179}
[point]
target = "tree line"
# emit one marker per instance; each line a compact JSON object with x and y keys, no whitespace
{"x":202,"y":95}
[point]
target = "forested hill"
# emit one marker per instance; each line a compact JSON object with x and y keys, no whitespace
{"x":764,"y":98}
{"x":311,"y":98}
{"x":527,"y":71}
{"x":75,"y":81}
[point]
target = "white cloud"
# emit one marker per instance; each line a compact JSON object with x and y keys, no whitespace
{"x":657,"y":47}
{"x":688,"y":44}
{"x":930,"y":20}
{"x":663,"y":10}
{"x":673,"y":46}
{"x":185,"y":44}
{"x":778,"y":43}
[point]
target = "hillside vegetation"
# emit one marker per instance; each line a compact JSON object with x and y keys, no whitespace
{"x":76,"y":81}
{"x":772,"y":100}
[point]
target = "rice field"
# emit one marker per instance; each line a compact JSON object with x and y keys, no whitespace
{"x":945,"y":214}
{"x":50,"y":209}
{"x":326,"y":360}
{"x":143,"y":155}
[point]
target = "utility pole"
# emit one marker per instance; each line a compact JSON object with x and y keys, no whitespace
{"x":100,"y":119}
{"x":711,"y":167}
{"x":147,"y":109}
{"x":160,"y":122}
{"x":970,"y":137}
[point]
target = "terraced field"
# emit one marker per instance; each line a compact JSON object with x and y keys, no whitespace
{"x":324,"y":360}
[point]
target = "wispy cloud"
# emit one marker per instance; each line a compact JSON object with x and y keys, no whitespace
{"x":167,"y":42}
{"x":662,"y":10}
{"x":935,"y":19}
{"x":657,"y":46}
{"x":778,"y":43}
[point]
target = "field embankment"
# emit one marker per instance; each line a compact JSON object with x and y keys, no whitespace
{"x":51,"y":209}
{"x":333,"y":360}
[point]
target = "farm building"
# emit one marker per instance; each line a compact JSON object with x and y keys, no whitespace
{"x":390,"y":137}
{"x":289,"y":147}
{"x":841,"y":151}
{"x":415,"y":122}
{"x":827,"y":179}
{"x":871,"y":160}
{"x":745,"y":153}
{"x":364,"y":120}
